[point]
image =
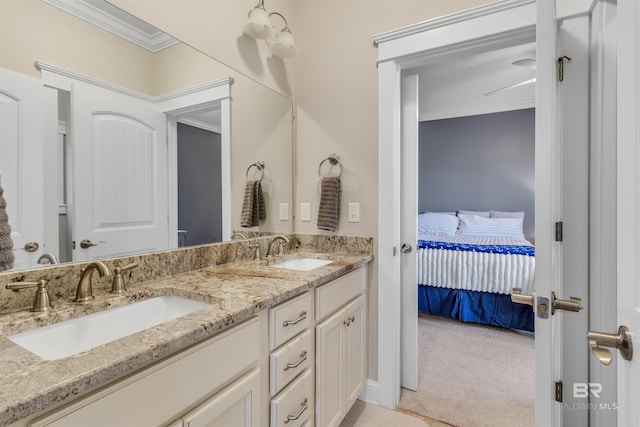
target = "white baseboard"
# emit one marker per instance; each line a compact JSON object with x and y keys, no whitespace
{"x":370,"y":392}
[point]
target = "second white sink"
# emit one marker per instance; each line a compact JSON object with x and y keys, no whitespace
{"x":83,"y":333}
{"x":302,"y":264}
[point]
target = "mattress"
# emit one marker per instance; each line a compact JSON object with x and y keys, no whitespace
{"x":483,"y":264}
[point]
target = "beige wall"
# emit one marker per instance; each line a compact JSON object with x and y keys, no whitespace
{"x":333,"y":82}
{"x":32,"y":30}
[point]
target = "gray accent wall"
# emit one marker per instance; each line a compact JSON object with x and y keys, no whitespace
{"x":199,"y":185}
{"x":483,"y":162}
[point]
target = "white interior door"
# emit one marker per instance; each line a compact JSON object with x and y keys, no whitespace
{"x":119,"y":151}
{"x":409,"y":232}
{"x":628,"y":203}
{"x":21,"y":162}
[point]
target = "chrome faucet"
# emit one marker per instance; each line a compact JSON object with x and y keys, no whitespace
{"x":47,"y":258}
{"x":85,"y":291}
{"x":281,"y":246}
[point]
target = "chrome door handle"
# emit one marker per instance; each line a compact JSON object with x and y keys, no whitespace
{"x":621,"y":341}
{"x":406,"y":248}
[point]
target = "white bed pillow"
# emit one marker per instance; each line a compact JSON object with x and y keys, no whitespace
{"x":484,"y":214}
{"x":473,"y":225}
{"x":506,"y":214}
{"x":438,"y":223}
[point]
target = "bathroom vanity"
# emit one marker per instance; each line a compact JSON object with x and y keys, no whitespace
{"x":276,"y":346}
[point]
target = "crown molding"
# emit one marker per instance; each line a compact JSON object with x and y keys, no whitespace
{"x":142,"y":34}
{"x":453,"y":18}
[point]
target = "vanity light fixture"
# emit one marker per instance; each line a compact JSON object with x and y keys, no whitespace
{"x":259,"y":26}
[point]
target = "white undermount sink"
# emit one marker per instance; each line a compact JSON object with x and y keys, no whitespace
{"x":302,"y":264}
{"x":83,"y":333}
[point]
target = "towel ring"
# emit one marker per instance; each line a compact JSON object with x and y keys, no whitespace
{"x":334,"y":160}
{"x":258,"y":165}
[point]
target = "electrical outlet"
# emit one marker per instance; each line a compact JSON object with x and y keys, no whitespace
{"x":305,"y":212}
{"x":354,"y":212}
{"x":284,"y":211}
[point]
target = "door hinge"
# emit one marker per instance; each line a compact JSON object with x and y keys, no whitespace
{"x":560,"y":67}
{"x":559,"y":231}
{"x":558,"y":391}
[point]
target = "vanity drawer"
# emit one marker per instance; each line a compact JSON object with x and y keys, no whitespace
{"x":289,"y":319}
{"x":294,"y":405}
{"x":340,"y":291}
{"x":287,"y":362}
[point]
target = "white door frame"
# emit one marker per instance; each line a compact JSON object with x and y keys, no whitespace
{"x":180,"y":104}
{"x":628,"y":203}
{"x":490,"y":27}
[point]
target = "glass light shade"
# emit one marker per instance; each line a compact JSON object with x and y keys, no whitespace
{"x":259,"y":26}
{"x":284,"y":46}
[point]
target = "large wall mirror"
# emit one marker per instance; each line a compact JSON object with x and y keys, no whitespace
{"x":111,"y":147}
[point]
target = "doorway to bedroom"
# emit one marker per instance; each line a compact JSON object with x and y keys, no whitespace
{"x":476,"y":166}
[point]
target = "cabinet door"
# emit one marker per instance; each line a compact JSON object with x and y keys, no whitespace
{"x":236,"y":406}
{"x":330,"y":364}
{"x":355,"y":348}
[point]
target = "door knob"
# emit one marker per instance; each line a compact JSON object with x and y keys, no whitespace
{"x":406,"y":248}
{"x":86,"y":243}
{"x":31,"y":246}
{"x":621,"y":341}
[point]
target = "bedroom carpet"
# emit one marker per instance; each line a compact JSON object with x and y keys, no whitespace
{"x":472,"y":375}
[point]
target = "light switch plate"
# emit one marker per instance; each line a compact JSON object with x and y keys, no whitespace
{"x":305,"y":212}
{"x":354,"y":212}
{"x":284,"y":211}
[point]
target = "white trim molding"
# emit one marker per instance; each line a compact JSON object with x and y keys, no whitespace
{"x":500,"y":24}
{"x":118,"y":22}
{"x":219,"y":84}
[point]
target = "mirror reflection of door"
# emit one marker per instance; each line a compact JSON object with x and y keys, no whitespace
{"x":199,"y":186}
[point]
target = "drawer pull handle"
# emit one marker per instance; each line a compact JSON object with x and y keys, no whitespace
{"x":303,"y":357}
{"x":296,"y":416}
{"x":303,"y":315}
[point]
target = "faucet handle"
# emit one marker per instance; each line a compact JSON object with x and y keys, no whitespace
{"x":41,"y":302}
{"x":117,"y":286}
{"x":257,"y":255}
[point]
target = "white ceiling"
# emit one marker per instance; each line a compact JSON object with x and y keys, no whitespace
{"x":456,"y":88}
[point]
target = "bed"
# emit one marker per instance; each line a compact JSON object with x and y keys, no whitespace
{"x":468,"y":265}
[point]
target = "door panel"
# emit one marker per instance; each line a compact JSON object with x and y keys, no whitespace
{"x":120,"y":166}
{"x":409,"y":233}
{"x":628,"y":203}
{"x":21,"y":162}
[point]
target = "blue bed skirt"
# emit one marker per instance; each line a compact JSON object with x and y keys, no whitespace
{"x":477,"y":307}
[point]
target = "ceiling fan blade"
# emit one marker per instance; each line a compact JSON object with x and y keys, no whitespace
{"x":527,"y":62}
{"x":512,"y":86}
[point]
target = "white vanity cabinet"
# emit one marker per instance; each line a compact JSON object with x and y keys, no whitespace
{"x":217,"y":381}
{"x":291,"y":362}
{"x":340,"y":346}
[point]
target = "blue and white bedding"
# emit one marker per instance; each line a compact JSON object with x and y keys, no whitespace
{"x":475,"y":263}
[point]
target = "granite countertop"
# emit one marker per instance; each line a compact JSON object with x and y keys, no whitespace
{"x":236,"y":292}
